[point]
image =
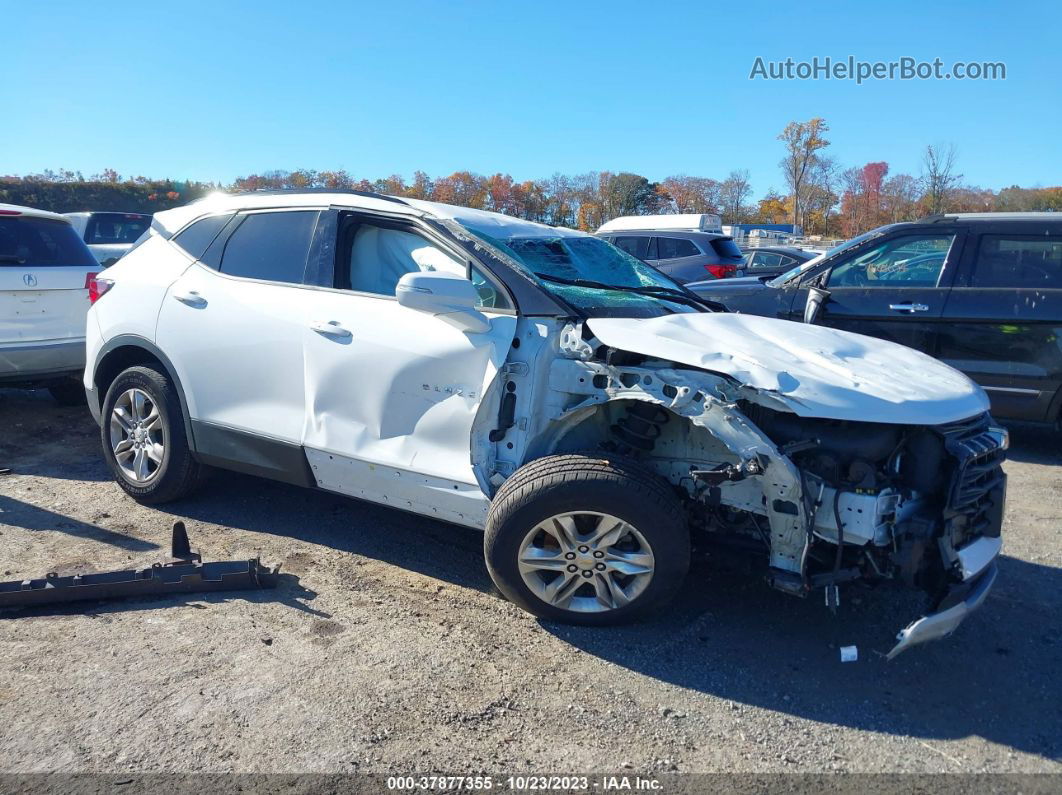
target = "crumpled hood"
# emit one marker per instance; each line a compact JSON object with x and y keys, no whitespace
{"x":817,"y":371}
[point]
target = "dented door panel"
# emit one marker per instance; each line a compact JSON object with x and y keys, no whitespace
{"x":401,"y":390}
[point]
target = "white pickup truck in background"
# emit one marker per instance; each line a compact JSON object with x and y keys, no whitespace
{"x":46,"y":274}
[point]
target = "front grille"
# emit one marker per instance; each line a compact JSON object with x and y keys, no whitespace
{"x":977,"y":484}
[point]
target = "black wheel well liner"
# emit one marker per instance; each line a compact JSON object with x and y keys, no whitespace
{"x":129,"y":350}
{"x":590,"y":418}
{"x":1054,"y":413}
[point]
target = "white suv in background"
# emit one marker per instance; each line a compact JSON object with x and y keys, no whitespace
{"x":538,"y":383}
{"x":109,"y":235}
{"x":46,"y":274}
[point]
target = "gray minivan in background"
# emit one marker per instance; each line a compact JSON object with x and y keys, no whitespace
{"x":684,"y":256}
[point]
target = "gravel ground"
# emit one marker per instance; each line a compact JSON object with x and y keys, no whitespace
{"x":385,"y":649}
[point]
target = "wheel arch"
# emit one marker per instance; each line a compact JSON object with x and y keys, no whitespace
{"x":589,"y":426}
{"x":1054,"y":414}
{"x":129,"y":350}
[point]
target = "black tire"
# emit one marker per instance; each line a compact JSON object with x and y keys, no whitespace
{"x":178,"y":474}
{"x":68,"y":392}
{"x":616,"y":486}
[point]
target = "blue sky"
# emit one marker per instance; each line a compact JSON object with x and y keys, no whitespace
{"x":216,"y":90}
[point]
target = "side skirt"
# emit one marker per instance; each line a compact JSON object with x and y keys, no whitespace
{"x":449,"y":500}
{"x":251,"y":454}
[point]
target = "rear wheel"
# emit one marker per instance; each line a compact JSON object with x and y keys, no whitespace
{"x":144,"y":440}
{"x":586,"y":540}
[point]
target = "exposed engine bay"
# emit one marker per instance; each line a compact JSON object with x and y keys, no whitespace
{"x":826,"y":500}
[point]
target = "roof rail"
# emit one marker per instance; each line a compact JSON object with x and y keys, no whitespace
{"x":287,"y":191}
{"x":934,"y":219}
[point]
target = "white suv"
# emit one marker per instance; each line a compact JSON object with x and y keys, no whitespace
{"x":538,"y":383}
{"x":46,"y":275}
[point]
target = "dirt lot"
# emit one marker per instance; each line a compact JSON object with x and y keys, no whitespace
{"x":386,"y":650}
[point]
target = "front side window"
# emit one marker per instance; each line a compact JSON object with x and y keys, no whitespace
{"x":27,"y":241}
{"x":490,"y":296}
{"x":379,"y":256}
{"x":909,"y":261}
{"x":1018,"y":261}
{"x":804,"y":267}
{"x":270,"y":246}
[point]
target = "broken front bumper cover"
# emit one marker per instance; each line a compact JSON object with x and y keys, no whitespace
{"x":941,"y":624}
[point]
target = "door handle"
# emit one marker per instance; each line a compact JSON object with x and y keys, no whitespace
{"x":191,"y":298}
{"x":909,"y":308}
{"x":330,"y":329}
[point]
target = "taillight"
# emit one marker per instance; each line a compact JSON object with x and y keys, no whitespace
{"x":97,"y":287}
{"x":721,"y":271}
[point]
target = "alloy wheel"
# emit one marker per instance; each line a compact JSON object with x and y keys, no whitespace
{"x":137,"y":435}
{"x":586,"y":562}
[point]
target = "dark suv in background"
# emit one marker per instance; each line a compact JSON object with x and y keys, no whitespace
{"x":684,"y":256}
{"x":979,"y":291}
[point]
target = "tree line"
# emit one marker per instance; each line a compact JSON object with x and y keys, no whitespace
{"x":821,"y":196}
{"x":827,"y":199}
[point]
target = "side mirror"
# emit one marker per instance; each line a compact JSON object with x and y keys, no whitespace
{"x":449,"y":297}
{"x":816,"y":298}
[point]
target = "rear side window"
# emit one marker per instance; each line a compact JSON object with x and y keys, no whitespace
{"x":1022,"y":261}
{"x":196,"y":238}
{"x":726,"y":247}
{"x":765,"y":259}
{"x":675,"y":247}
{"x":31,"y":242}
{"x":270,"y":246}
{"x":635,"y":245}
{"x":116,"y":228}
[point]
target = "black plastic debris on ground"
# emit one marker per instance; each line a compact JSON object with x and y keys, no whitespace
{"x":184,"y":573}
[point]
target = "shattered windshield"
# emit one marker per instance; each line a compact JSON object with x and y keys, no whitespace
{"x":593,"y":275}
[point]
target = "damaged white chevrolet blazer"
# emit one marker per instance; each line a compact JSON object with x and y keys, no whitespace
{"x":540,"y":384}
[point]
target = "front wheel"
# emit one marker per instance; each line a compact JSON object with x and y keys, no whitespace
{"x":586,"y":540}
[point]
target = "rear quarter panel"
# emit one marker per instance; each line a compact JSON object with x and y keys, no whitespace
{"x":687,"y":269}
{"x":141,"y":278}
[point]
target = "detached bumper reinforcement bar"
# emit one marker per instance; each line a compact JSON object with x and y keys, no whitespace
{"x":185,"y":574}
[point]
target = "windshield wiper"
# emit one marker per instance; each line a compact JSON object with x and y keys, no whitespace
{"x":13,"y":258}
{"x":656,"y":291}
